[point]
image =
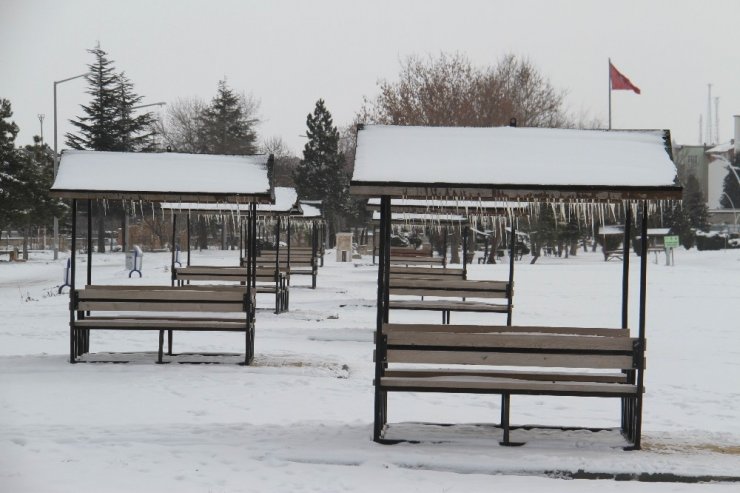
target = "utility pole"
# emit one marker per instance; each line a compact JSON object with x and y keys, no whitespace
{"x":41,"y":122}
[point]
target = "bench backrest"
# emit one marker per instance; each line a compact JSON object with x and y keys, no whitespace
{"x":449,"y":288}
{"x":561,"y":347}
{"x":405,"y":272}
{"x":413,"y":260}
{"x":223,"y":273}
{"x":163,"y":298}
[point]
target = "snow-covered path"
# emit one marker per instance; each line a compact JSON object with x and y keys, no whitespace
{"x":300,"y":418}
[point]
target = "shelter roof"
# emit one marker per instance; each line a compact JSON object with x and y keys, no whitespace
{"x":163,"y":176}
{"x":513,"y":163}
{"x":286,"y":202}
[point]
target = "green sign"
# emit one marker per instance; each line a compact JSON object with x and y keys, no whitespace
{"x":670,"y":241}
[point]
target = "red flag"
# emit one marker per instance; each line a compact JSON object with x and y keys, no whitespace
{"x":619,"y":81}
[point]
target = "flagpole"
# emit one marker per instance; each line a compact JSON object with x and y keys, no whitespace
{"x":610,"y":93}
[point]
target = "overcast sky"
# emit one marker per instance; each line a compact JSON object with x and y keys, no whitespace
{"x":290,"y":53}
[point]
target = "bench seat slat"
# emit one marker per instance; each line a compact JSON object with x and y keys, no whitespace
{"x":494,"y":358}
{"x":496,"y":384}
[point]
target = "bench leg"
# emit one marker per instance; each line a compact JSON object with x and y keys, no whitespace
{"x":169,"y":342}
{"x":72,"y":348}
{"x":161,"y":347}
{"x":381,"y":409}
{"x":505,"y":408}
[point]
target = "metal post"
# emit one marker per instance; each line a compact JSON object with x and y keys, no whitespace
{"x":643,"y":300}
{"x":72,"y":287}
{"x":89,"y":242}
{"x":174,"y":235}
{"x":511,"y":274}
{"x":287,"y":263}
{"x":465,"y":252}
{"x":278,"y":305}
{"x":188,"y":238}
{"x":444,"y":251}
{"x":626,"y":265}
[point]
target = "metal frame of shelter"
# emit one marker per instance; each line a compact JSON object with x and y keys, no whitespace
{"x":73,"y":182}
{"x":374,"y":184}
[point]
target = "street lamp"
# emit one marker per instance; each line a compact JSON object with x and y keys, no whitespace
{"x":56,"y":158}
{"x":161,"y":103}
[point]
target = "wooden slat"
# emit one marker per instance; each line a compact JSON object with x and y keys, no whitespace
{"x":399,"y":269}
{"x":170,"y":324}
{"x":458,"y":306}
{"x":210,"y":277}
{"x":481,"y":329}
{"x":471,"y":383}
{"x":446,"y":293}
{"x":519,"y":375}
{"x":156,"y":295}
{"x":509,"y":341}
{"x":122,"y":306}
{"x":116,"y":287}
{"x":444,"y":284}
{"x":212,"y":269}
{"x":510,"y":359}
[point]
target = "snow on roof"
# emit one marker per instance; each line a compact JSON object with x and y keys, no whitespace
{"x":512,"y":162}
{"x":721,"y":148}
{"x":162,"y":176}
{"x":412,"y":217}
{"x":310,"y":210}
{"x":285,"y":202}
{"x":619,"y":230}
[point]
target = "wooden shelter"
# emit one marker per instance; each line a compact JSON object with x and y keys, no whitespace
{"x":84,"y":176}
{"x":629,"y":169}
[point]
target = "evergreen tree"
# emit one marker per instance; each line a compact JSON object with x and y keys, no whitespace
{"x":34,"y":206}
{"x":133,"y":133}
{"x":321,"y":173}
{"x":695,"y":205}
{"x":97,"y":129}
{"x":8,"y":162}
{"x":227,"y":124}
{"x":731,"y":187}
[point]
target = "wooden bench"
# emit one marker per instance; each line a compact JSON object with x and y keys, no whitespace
{"x":302,"y":263}
{"x":187,"y":308}
{"x":443,"y":289}
{"x":267,"y":282}
{"x":422,"y":260}
{"x":12,"y":254}
{"x":559,"y":361}
{"x":404,"y":272}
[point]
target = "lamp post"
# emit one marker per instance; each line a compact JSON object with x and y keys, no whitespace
{"x":56,"y":158}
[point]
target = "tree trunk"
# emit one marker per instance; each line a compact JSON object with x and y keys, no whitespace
{"x":25,"y":241}
{"x":454,"y":248}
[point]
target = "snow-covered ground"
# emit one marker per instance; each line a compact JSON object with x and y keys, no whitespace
{"x":300,"y":418}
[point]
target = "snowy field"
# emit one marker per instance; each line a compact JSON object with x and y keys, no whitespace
{"x":300,"y":418}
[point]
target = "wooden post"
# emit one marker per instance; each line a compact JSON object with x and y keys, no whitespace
{"x":465,"y":252}
{"x":380,"y":357}
{"x":188,"y":238}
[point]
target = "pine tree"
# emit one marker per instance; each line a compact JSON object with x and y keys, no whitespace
{"x":8,"y":162}
{"x":695,"y":204}
{"x":731,"y":187}
{"x":227,"y":124}
{"x":133,"y":132}
{"x":97,"y":130}
{"x":321,"y":173}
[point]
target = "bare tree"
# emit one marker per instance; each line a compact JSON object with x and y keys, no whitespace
{"x":179,"y":128}
{"x":285,"y":160}
{"x":450,"y":91}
